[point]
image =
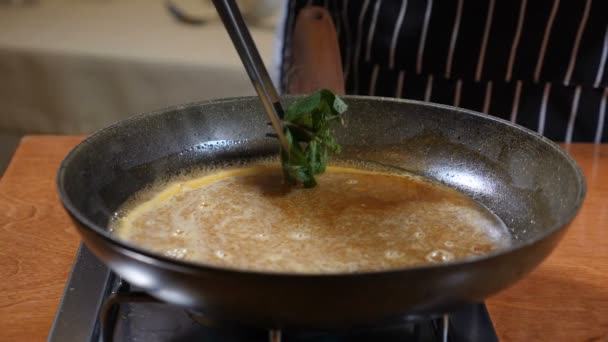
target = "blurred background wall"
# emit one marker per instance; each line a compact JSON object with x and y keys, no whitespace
{"x":74,"y":66}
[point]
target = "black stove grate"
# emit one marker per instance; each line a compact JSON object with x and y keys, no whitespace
{"x":135,"y":316}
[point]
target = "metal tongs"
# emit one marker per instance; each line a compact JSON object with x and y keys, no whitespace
{"x":250,"y":56}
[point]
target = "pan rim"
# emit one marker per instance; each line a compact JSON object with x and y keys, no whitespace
{"x":185,"y":266}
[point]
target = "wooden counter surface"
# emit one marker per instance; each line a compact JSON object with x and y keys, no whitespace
{"x":565,"y":299}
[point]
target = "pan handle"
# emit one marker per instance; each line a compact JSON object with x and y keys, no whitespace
{"x":315,"y":54}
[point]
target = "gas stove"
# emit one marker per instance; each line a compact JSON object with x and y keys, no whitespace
{"x":98,"y":306}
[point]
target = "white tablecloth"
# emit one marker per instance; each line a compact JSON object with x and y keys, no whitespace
{"x":75,"y":66}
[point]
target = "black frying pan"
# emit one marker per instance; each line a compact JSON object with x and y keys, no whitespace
{"x":528,"y":181}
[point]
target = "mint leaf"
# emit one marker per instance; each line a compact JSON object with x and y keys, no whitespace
{"x":307,"y":125}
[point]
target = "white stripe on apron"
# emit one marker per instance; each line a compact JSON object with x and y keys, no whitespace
{"x":391,"y":53}
{"x":429,"y":88}
{"x":573,"y":112}
{"x":543,"y":109}
{"x":577,"y":42}
{"x":600,"y":69}
{"x":372,"y":30}
{"x":425,"y":28}
{"x":488,"y":98}
{"x":543,"y":47}
{"x":515,"y":107}
{"x":358,"y":46}
{"x":372,"y":83}
{"x":455,"y":29}
{"x":516,"y":38}
{"x":484,"y":42}
{"x":457,"y":93}
{"x":400,"y":79}
{"x":601,"y":118}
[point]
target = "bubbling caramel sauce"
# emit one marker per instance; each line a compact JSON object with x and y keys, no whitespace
{"x":354,"y":220}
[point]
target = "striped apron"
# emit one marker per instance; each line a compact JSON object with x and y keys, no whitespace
{"x":538,"y":63}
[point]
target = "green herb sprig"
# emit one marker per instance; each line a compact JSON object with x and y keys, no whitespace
{"x":307,"y":127}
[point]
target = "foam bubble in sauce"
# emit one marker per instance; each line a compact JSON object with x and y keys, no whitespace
{"x":393,"y":254}
{"x":177,"y":253}
{"x":440,"y":255}
{"x":260,"y":236}
{"x":299,"y":236}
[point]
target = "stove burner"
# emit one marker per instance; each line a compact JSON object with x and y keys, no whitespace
{"x":96,"y":302}
{"x":109,"y":311}
{"x":408,"y":330}
{"x":202,"y":319}
{"x":276,"y":335}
